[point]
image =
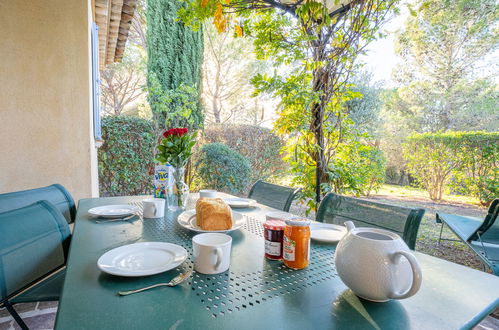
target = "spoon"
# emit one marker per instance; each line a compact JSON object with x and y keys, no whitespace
{"x":113,"y":220}
{"x":175,"y":281}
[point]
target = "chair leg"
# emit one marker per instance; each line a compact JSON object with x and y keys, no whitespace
{"x":441,"y":230}
{"x":16,"y":316}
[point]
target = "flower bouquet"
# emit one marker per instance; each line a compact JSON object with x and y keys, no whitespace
{"x":175,"y":148}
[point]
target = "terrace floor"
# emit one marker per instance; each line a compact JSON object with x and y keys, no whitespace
{"x":41,"y":316}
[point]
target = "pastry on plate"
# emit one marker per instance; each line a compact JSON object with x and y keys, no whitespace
{"x":213,"y":214}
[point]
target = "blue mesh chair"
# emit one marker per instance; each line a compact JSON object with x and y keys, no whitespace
{"x":56,"y":194}
{"x":401,"y":220}
{"x":34,"y":242}
{"x":482,"y":236}
{"x":278,"y":197}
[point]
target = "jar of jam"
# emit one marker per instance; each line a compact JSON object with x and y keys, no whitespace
{"x":273,"y":232}
{"x":296,"y":243}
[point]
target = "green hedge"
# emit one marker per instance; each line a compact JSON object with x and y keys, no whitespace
{"x":219,"y":167}
{"x":126,"y":158}
{"x":466,"y":162}
{"x":258,"y":144}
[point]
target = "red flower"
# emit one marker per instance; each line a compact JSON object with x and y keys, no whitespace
{"x":176,"y":132}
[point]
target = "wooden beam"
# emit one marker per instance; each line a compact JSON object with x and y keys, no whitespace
{"x":113,"y":17}
{"x":102,"y":8}
{"x":127,"y":13}
{"x":113,"y":31}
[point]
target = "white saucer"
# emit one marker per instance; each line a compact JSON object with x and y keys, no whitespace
{"x":113,"y":211}
{"x":187,"y":220}
{"x":142,"y":259}
{"x":237,"y":202}
{"x":326,"y":232}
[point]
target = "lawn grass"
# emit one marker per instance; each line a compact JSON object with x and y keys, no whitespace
{"x":413,"y":192}
{"x":429,"y":230}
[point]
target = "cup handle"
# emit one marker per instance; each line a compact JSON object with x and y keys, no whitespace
{"x":416,"y":275}
{"x":218,"y":253}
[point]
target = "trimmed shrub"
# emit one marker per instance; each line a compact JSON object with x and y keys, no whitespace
{"x":465,"y":161}
{"x":219,"y":167}
{"x":126,"y":158}
{"x":258,"y":144}
{"x":372,"y":169}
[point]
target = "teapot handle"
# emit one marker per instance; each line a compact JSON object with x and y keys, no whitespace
{"x":416,"y":275}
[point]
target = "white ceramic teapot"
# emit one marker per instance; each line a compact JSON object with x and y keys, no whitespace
{"x":376,"y":264}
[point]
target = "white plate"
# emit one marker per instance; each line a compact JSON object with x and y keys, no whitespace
{"x":187,"y":220}
{"x":113,"y":211}
{"x":142,"y":259}
{"x":326,"y":232}
{"x":237,"y":202}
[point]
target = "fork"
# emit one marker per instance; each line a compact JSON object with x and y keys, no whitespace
{"x":174,"y":282}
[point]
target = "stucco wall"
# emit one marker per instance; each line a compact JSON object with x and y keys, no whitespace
{"x":45,"y":96}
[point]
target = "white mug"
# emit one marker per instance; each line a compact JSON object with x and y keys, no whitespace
{"x":207,"y":193}
{"x":211,"y":252}
{"x":154,"y":207}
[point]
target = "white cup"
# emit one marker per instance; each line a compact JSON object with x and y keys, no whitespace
{"x":153,"y":207}
{"x":207,"y":193}
{"x":211,"y":252}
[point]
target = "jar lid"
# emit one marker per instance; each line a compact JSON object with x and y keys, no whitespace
{"x":274,"y":224}
{"x":298,"y":222}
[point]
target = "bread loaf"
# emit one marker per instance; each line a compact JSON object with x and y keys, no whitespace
{"x":213,"y":214}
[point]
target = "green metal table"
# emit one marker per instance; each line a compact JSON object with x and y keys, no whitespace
{"x":254,"y":293}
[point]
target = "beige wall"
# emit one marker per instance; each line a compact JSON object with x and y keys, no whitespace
{"x":45,"y":96}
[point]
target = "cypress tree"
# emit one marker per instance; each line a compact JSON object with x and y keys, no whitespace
{"x":175,"y":54}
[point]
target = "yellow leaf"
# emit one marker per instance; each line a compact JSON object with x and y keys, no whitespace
{"x":239,"y":31}
{"x":218,"y":19}
{"x":204,"y":3}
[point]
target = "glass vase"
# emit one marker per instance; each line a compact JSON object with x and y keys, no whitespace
{"x":178,"y":191}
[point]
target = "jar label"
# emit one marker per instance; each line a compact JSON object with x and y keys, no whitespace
{"x":288,"y":252}
{"x":273,"y":248}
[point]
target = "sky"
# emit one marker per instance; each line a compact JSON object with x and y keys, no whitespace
{"x":381,"y":58}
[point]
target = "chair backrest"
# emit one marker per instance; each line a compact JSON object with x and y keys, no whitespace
{"x":56,"y":194}
{"x":488,"y":232}
{"x":401,"y":220}
{"x":278,"y":197}
{"x":34,"y":241}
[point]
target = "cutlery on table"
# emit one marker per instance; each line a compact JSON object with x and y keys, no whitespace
{"x":116,"y":219}
{"x":174,"y":282}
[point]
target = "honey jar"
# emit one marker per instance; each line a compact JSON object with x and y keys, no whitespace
{"x":296,"y":243}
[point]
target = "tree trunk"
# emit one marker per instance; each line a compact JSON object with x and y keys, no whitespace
{"x":216,"y":110}
{"x":320,"y":79}
{"x":317,"y":128}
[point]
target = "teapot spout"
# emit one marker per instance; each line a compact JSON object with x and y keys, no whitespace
{"x":349,"y":225}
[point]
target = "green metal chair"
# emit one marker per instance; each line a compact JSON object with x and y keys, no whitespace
{"x":482,"y":236}
{"x":278,"y":197}
{"x":404,"y":221}
{"x":34,"y":243}
{"x":55,"y":193}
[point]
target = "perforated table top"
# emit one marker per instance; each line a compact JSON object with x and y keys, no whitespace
{"x":255,"y":293}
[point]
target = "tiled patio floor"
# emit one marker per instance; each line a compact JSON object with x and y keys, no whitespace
{"x":37,"y":316}
{"x":41,"y":316}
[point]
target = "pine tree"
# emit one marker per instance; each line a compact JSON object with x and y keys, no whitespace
{"x":175,"y":55}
